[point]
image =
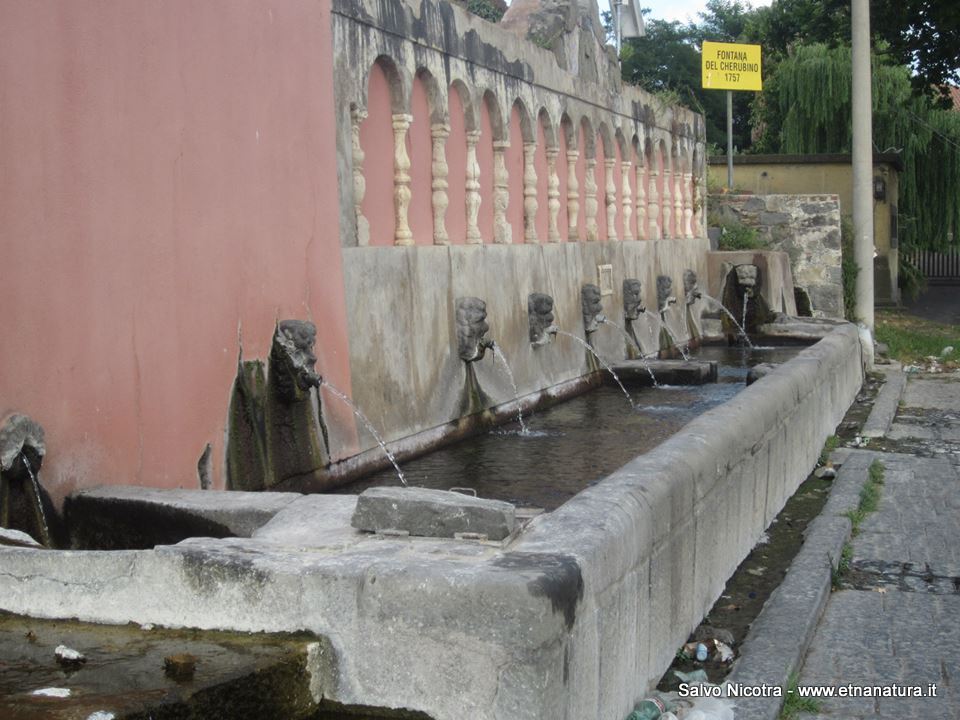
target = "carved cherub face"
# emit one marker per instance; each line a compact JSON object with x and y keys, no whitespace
{"x":632,"y":302}
{"x":540,"y":312}
{"x":471,"y":327}
{"x":591,"y":306}
{"x":690,"y":286}
{"x":747,"y":277}
{"x":296,"y":338}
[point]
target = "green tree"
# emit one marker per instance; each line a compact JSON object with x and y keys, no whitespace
{"x":806,"y":108}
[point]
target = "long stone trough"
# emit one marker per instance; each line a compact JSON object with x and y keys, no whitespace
{"x":574,"y":616}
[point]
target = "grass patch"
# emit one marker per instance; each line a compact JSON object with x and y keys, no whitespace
{"x":736,"y":236}
{"x":829,"y":446}
{"x":869,"y":497}
{"x":793,"y":704}
{"x":838,"y":573}
{"x":912,"y":339}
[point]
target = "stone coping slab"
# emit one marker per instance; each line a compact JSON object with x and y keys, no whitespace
{"x":423,"y":512}
{"x":888,"y":400}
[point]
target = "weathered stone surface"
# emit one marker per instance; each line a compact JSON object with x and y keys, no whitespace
{"x":807,"y":228}
{"x":17,"y":538}
{"x":758,"y":371}
{"x":139,"y":517}
{"x":885,"y":406}
{"x":16,"y":432}
{"x":667,"y":372}
{"x":422,"y":512}
{"x":623,"y":572}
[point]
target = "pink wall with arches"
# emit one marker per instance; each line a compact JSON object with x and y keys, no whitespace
{"x":540,"y":165}
{"x":420,"y":148}
{"x":456,"y":152}
{"x":376,"y":139}
{"x":485,"y":160}
{"x":514,"y":162}
{"x":563,"y":219}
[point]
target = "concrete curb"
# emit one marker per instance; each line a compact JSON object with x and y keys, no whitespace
{"x":886,"y":404}
{"x":779,"y":638}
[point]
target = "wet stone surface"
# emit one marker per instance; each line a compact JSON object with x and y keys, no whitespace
{"x":902,"y":576}
{"x":236,"y":676}
{"x":506,"y":464}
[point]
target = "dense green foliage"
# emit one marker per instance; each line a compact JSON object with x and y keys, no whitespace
{"x":848,"y":269}
{"x":487,"y":9}
{"x":806,"y":109}
{"x":736,"y":236}
{"x":805,"y":104}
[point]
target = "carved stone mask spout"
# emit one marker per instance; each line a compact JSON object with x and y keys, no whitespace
{"x":540,"y":316}
{"x":632,"y":301}
{"x":747,"y":278}
{"x":471,"y":318}
{"x":292,"y":352}
{"x":691,"y":287}
{"x":664,"y":288}
{"x":592,"y":308}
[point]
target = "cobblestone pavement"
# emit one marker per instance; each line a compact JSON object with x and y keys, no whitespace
{"x":896,"y":623}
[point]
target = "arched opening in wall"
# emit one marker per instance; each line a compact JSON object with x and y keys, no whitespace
{"x":586,"y":147}
{"x":491,"y":130}
{"x":639,"y":190}
{"x":420,"y":146}
{"x":546,"y":137}
{"x":663,"y":192}
{"x":520,"y":132}
{"x":567,"y":141}
{"x":384,"y":98}
{"x":460,"y":114}
{"x":604,"y":150}
{"x":620,"y":147}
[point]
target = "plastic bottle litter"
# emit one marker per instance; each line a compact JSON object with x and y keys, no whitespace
{"x":650,"y":708}
{"x":702,"y":652}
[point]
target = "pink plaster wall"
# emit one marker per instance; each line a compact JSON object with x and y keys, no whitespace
{"x":514,"y":160}
{"x":600,"y":173}
{"x":456,"y":152}
{"x":540,"y":165}
{"x":376,"y":139}
{"x":421,"y":159}
{"x":562,"y":217}
{"x":485,"y":161}
{"x":166,"y":180}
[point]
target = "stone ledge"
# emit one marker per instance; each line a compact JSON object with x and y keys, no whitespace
{"x":422,"y":512}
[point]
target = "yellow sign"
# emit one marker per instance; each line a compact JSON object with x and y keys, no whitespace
{"x":731,"y":66}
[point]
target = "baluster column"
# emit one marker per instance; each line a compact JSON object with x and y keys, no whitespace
{"x":472,"y":186}
{"x":627,"y":200}
{"x":610,"y":197}
{"x":553,"y":195}
{"x":439,"y":132}
{"x":641,"y":204}
{"x":357,"y":116}
{"x":653,"y":204}
{"x":501,"y":194}
{"x":401,"y":180}
{"x":573,"y":196}
{"x":530,"y":203}
{"x":590,"y":199}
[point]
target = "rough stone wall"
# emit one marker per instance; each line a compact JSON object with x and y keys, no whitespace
{"x":807,"y":228}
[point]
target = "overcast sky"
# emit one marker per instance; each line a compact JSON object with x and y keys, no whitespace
{"x":682,"y":10}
